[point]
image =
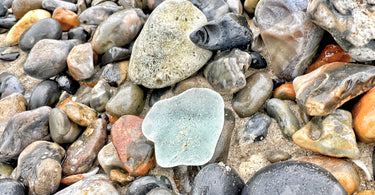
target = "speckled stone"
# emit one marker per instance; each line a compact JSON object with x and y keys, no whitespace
{"x":61,"y":128}
{"x":78,"y":113}
{"x":163,"y":54}
{"x":21,"y":7}
{"x":256,"y":128}
{"x":46,"y":93}
{"x":11,"y":186}
{"x":67,"y":83}
{"x":145,"y":184}
{"x":115,"y":54}
{"x":81,"y":61}
{"x":14,"y":104}
{"x":97,"y":14}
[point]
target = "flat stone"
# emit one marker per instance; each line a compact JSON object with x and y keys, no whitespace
{"x":39,"y":167}
{"x":61,"y":128}
{"x":9,"y":56}
{"x":118,"y":29}
{"x":331,"y":135}
{"x":78,"y":113}
{"x":81,"y":154}
{"x":21,"y":7}
{"x":293,"y":177}
{"x":363,"y":117}
{"x":186,"y":127}
{"x":108,"y":158}
{"x":285,"y":92}
{"x":286,"y":38}
{"x":212,"y":9}
{"x":46,"y":93}
{"x":145,"y":184}
{"x":256,"y":128}
{"x":67,"y":18}
{"x":11,"y":186}
{"x":5,"y":170}
{"x":322,"y":91}
{"x":23,"y":129}
{"x":252,"y":97}
{"x":69,"y":180}
{"x":115,"y":74}
{"x":47,"y":28}
{"x":163,"y":55}
{"x":97,"y":14}
{"x":9,"y":85}
{"x":100,"y":95}
{"x":52,"y":5}
{"x":81,"y":62}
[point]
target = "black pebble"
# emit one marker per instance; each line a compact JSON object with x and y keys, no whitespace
{"x":8,"y":21}
{"x":277,"y":83}
{"x":257,"y":61}
{"x":46,"y":93}
{"x":67,"y":83}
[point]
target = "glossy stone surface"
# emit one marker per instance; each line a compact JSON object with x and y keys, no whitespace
{"x":10,"y":84}
{"x":322,"y":91}
{"x":100,"y":95}
{"x":115,"y":54}
{"x":66,"y":18}
{"x":287,"y":121}
{"x":226,"y":32}
{"x":9,"y":56}
{"x":120,"y":177}
{"x":23,"y":129}
{"x":108,"y":158}
{"x":46,"y":93}
{"x":293,"y":177}
{"x":37,"y":32}
{"x":363,"y":118}
{"x":256,"y":128}
{"x":250,"y":5}
{"x":212,"y":9}
{"x":78,"y":113}
{"x":21,"y":7}
{"x":10,"y":186}
{"x":331,"y":135}
{"x":285,"y":36}
{"x":81,"y":61}
{"x":193,"y":121}
{"x":285,"y":92}
{"x":61,"y":128}
{"x":252,"y":97}
{"x":170,"y":55}
{"x":69,"y":180}
{"x":82,"y":153}
{"x":39,"y":167}
{"x":8,"y":22}
{"x":97,"y":14}
{"x":222,"y":180}
{"x":145,"y":184}
{"x":257,"y":61}
{"x":226,"y":73}
{"x":116,"y":73}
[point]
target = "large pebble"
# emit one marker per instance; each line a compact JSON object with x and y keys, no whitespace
{"x":21,"y":7}
{"x":79,"y":33}
{"x":163,"y":54}
{"x":100,"y":95}
{"x":46,"y":93}
{"x":251,"y":98}
{"x":61,"y":128}
{"x":81,"y":61}
{"x":331,"y":135}
{"x":66,"y":18}
{"x":108,"y":158}
{"x":212,"y":9}
{"x":97,"y":14}
{"x":11,"y":186}
{"x":23,"y":129}
{"x":293,"y":177}
{"x":145,"y":184}
{"x":322,"y":91}
{"x":363,"y":117}
{"x":82,"y":153}
{"x":10,"y":84}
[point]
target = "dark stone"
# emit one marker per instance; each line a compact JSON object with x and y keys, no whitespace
{"x":217,"y":179}
{"x":10,"y":84}
{"x":156,"y":95}
{"x":9,"y":56}
{"x":79,"y":33}
{"x":257,"y":61}
{"x":23,"y":129}
{"x":11,"y":187}
{"x":83,"y":95}
{"x":97,"y":14}
{"x":67,"y":83}
{"x":256,"y":128}
{"x":100,"y":94}
{"x":229,"y":31}
{"x":51,"y":5}
{"x":293,"y":177}
{"x":277,"y":83}
{"x":46,"y":93}
{"x":113,"y":74}
{"x":145,"y":184}
{"x":3,"y":9}
{"x":61,"y":128}
{"x":184,"y":176}
{"x":212,"y":9}
{"x":115,"y":54}
{"x":47,"y":28}
{"x":8,"y":21}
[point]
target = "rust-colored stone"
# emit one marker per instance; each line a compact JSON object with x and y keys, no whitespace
{"x":66,"y":18}
{"x":364,"y":117}
{"x":112,"y":119}
{"x":285,"y":92}
{"x":72,"y":179}
{"x":120,"y":177}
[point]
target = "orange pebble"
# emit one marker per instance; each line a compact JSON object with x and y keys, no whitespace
{"x":285,"y":92}
{"x":364,"y":117}
{"x":66,"y":18}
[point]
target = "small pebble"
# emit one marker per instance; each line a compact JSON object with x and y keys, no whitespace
{"x":144,"y":184}
{"x":61,"y":128}
{"x":100,"y":95}
{"x":67,"y":83}
{"x":10,"y":84}
{"x":256,"y":128}
{"x":277,"y":156}
{"x":79,"y":33}
{"x":285,"y":92}
{"x":67,"y":18}
{"x":46,"y":93}
{"x":81,"y":60}
{"x":5,"y":170}
{"x":108,"y":158}
{"x":363,"y":118}
{"x":116,"y":73}
{"x":115,"y":54}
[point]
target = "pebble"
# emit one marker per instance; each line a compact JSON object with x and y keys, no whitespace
{"x":342,"y":170}
{"x":192,"y":82}
{"x":47,"y":58}
{"x":23,"y":129}
{"x":183,"y":177}
{"x":9,"y":56}
{"x":97,"y":14}
{"x":120,"y":177}
{"x":69,"y":180}
{"x":9,"y":85}
{"x":11,"y":186}
{"x":322,"y":91}
{"x":133,"y":149}
{"x":212,"y":9}
{"x":46,"y":93}
{"x":5,"y":170}
{"x":363,"y":118}
{"x":277,"y":156}
{"x":83,"y":95}
{"x":14,"y":104}
{"x":116,"y":73}
{"x":61,"y":128}
{"x":366,"y":192}
{"x":285,"y":92}
{"x":39,"y":167}
{"x":256,"y":128}
{"x":81,"y":61}
{"x":286,"y":37}
{"x":78,"y":33}
{"x":115,"y":54}
{"x":161,"y":191}
{"x":100,"y":95}
{"x":250,"y":5}
{"x":24,"y":23}
{"x":285,"y":118}
{"x":129,"y":99}
{"x":67,"y":83}
{"x":78,"y":113}
{"x":81,"y":154}
{"x":226,"y":73}
{"x":257,"y":61}
{"x":226,"y":32}
{"x":21,"y":7}
{"x":193,"y":121}
{"x":157,"y":94}
{"x":118,"y":29}
{"x":52,"y":5}
{"x":166,"y":30}
{"x":293,"y":177}
{"x":144,"y":184}
{"x":8,"y":21}
{"x":252,"y":97}
{"x":235,"y":6}
{"x":3,"y":9}
{"x":108,"y":158}
{"x":67,"y":18}
{"x":222,"y":180}
{"x":331,"y":135}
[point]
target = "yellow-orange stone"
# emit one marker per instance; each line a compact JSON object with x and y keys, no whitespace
{"x":24,"y":23}
{"x":285,"y":92}
{"x":364,"y":117}
{"x":66,"y":18}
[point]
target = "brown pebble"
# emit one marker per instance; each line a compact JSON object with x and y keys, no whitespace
{"x":285,"y":92}
{"x":66,"y":18}
{"x":120,"y":177}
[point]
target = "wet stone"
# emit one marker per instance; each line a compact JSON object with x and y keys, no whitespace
{"x":82,"y":153}
{"x":212,"y":9}
{"x":81,"y":62}
{"x":257,"y":61}
{"x":21,"y":7}
{"x":222,"y":180}
{"x":322,"y":91}
{"x":8,"y":21}
{"x":115,"y":54}
{"x":363,"y":118}
{"x":277,"y":155}
{"x":331,"y":135}
{"x":256,"y":128}
{"x":67,"y":18}
{"x":229,"y":31}
{"x":100,"y":95}
{"x":285,"y":92}
{"x":52,"y":5}
{"x":226,"y":73}
{"x":5,"y":170}
{"x":37,"y":32}
{"x":287,"y":121}
{"x":145,"y":184}
{"x":3,"y":9}
{"x":116,"y":73}
{"x":22,"y":129}
{"x":67,"y":83}
{"x":79,"y":33}
{"x":47,"y":58}
{"x":83,"y":95}
{"x":184,"y":176}
{"x":252,"y":97}
{"x":61,"y":128}
{"x":293,"y":177}
{"x":11,"y":186}
{"x":133,"y":149}
{"x":79,"y":113}
{"x":157,"y":94}
{"x":39,"y":167}
{"x":108,"y":158}
{"x":10,"y":84}
{"x":286,"y":37}
{"x":97,"y":14}
{"x":162,"y":54}
{"x":46,"y":93}
{"x":129,"y":99}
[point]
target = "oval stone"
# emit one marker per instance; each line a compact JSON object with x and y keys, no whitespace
{"x":100,"y":95}
{"x":79,"y":33}
{"x":11,"y":186}
{"x":256,"y":128}
{"x":21,"y":7}
{"x":66,"y":18}
{"x":285,"y":92}
{"x":78,"y":113}
{"x":364,"y":117}
{"x":61,"y":128}
{"x":10,"y":84}
{"x":46,"y":93}
{"x":108,"y":158}
{"x":97,"y":14}
{"x":81,"y":62}
{"x":52,"y":5}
